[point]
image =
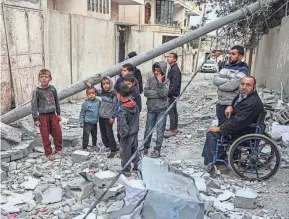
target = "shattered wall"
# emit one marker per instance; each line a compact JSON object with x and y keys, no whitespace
{"x":272,"y":59}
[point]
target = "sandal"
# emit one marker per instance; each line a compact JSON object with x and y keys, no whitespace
{"x":155,"y":154}
{"x":61,"y":153}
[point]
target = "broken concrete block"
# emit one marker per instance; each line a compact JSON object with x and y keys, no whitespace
{"x":90,"y":216}
{"x":52,"y":195}
{"x":16,"y":155}
{"x":5,"y":146}
{"x":4,"y":176}
{"x":112,"y":192}
{"x":70,"y":140}
{"x":5,"y":166}
{"x":208,"y":201}
{"x":223,"y":206}
{"x":30,"y":184}
{"x":12,"y":166}
{"x":226,"y":195}
{"x":281,"y":130}
{"x":25,"y":147}
{"x":5,"y":156}
{"x":246,"y":198}
{"x":102,"y":178}
{"x":79,"y":189}
{"x":80,"y":156}
{"x":213,"y":184}
{"x":10,"y":133}
{"x":200,"y":184}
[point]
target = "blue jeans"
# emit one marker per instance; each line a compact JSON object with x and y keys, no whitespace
{"x":152,"y":118}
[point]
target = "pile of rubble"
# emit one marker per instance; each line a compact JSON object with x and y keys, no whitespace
{"x":34,"y":187}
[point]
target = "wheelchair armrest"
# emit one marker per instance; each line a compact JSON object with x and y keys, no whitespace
{"x":253,"y":125}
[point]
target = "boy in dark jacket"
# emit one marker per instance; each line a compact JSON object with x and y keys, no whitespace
{"x":127,"y":69}
{"x":46,"y":113}
{"x":88,"y":118}
{"x":127,"y":126}
{"x":175,"y":77}
{"x":107,"y":114}
{"x":137,"y":73}
{"x":130,"y":81}
{"x":156,"y":90}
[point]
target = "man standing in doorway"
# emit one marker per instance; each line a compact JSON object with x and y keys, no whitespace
{"x":228,"y":80}
{"x":175,"y":78}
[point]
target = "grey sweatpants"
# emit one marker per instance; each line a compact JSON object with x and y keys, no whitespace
{"x":128,"y":146}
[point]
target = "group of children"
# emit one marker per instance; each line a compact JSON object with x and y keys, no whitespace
{"x":121,"y":102}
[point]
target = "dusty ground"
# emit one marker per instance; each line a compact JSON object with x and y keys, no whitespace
{"x":183,"y":151}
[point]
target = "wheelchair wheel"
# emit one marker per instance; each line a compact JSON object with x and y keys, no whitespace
{"x":254,"y":157}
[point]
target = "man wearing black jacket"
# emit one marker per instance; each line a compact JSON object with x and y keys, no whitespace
{"x":244,"y":111}
{"x":175,"y":77}
{"x":137,"y":73}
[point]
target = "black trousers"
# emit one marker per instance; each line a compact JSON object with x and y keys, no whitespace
{"x":128,"y":147}
{"x":173,"y":114}
{"x":87,"y":130}
{"x":107,"y":135}
{"x":220,"y":112}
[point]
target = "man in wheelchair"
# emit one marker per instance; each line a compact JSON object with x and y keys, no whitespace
{"x":245,"y":109}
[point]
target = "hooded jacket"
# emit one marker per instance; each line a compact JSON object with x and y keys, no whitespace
{"x":135,"y":96}
{"x":156,"y":92}
{"x":175,"y":77}
{"x":128,"y":119}
{"x":228,"y":81}
{"x":108,"y":101}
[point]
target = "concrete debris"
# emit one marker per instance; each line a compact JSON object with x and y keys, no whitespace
{"x":245,"y":198}
{"x":5,"y":146}
{"x":10,"y":133}
{"x":225,"y":196}
{"x":34,"y":187}
{"x":4,"y":176}
{"x":79,"y":189}
{"x":80,"y":156}
{"x":102,"y":178}
{"x":52,"y":195}
{"x":30,"y":184}
{"x":90,"y":216}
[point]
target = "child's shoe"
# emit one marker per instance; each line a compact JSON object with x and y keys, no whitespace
{"x":61,"y":153}
{"x":51,"y":157}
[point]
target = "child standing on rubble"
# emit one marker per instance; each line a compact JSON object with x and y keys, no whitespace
{"x":88,"y":118}
{"x":127,"y":127}
{"x":46,"y":113}
{"x":107,"y":114}
{"x":131,"y":82}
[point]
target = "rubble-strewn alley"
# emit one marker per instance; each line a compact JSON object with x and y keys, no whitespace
{"x":34,"y":187}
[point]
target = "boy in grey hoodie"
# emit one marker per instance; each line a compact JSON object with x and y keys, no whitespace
{"x":107,"y":114}
{"x":156,"y":91}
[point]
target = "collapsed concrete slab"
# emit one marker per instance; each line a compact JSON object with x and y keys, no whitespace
{"x":79,"y":189}
{"x":112,"y":192}
{"x":102,"y":178}
{"x":4,"y":176}
{"x":52,"y":195}
{"x":30,"y":184}
{"x":171,"y":192}
{"x":10,"y":133}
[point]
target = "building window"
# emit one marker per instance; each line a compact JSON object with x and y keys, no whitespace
{"x":100,"y":6}
{"x":107,"y":6}
{"x":104,"y":7}
{"x":147,"y":13}
{"x":88,"y":5}
{"x":96,"y":6}
{"x":92,"y":5}
{"x":164,"y":12}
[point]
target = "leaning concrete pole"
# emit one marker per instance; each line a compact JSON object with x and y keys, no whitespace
{"x":24,"y":110}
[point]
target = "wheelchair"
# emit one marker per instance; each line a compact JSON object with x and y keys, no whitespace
{"x":252,"y":156}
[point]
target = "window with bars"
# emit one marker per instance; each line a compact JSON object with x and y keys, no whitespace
{"x":107,"y":6}
{"x":92,"y":5}
{"x":164,"y":12}
{"x":96,"y":5}
{"x":100,"y":6}
{"x":88,"y":5}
